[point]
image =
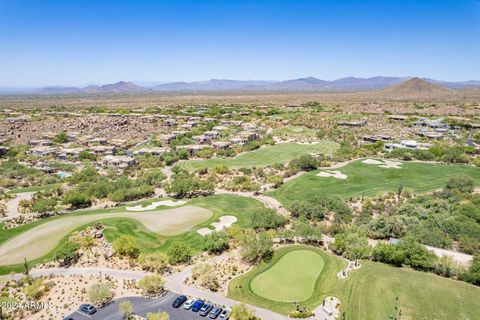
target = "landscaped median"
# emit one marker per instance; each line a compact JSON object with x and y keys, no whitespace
{"x":154,"y":230}
{"x":370,"y":293}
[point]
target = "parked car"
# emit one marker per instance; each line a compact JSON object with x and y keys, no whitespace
{"x":68,"y":318}
{"x":87,"y":308}
{"x":188,"y":305}
{"x":179,"y":301}
{"x":215,"y":312}
{"x":205,"y":310}
{"x":225,"y":315}
{"x":197,"y":305}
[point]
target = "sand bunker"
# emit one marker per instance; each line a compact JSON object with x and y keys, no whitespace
{"x":154,"y":205}
{"x":391,"y":164}
{"x":334,"y":174}
{"x":371,"y":161}
{"x":384,"y":163}
{"x":225,"y":222}
{"x":43,"y":238}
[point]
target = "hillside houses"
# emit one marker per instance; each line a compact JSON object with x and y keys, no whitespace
{"x":407,"y":144}
{"x":121,"y":162}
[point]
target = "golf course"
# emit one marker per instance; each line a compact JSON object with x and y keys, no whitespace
{"x":294,"y":131}
{"x":361,"y":178}
{"x":152,"y":229}
{"x":307,"y":275}
{"x":266,"y":156}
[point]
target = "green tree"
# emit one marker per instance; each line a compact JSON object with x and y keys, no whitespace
{"x":461,"y":183}
{"x":61,"y":137}
{"x":67,"y":253}
{"x":77,"y":199}
{"x":125,"y":308}
{"x":100,"y":293}
{"x":473,"y":273}
{"x":179,"y":252}
{"x":160,"y":315}
{"x":156,"y":261}
{"x":35,"y":290}
{"x":152,"y":284}
{"x":217,"y":241}
{"x":351,"y":245}
{"x":87,"y":242}
{"x":242,"y":312}
{"x":255,"y":246}
{"x":266,"y":218}
{"x":126,"y":246}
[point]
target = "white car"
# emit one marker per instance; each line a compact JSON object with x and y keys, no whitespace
{"x":188,"y":304}
{"x":225,"y":315}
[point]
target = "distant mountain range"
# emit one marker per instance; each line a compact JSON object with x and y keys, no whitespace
{"x":348,"y":84}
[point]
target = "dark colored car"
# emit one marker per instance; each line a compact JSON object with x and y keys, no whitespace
{"x":88,"y":308}
{"x":197,"y":305}
{"x":215,"y":312}
{"x":179,"y":301}
{"x":68,"y":318}
{"x":205,"y":310}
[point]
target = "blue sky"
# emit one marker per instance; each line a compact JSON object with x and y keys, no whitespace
{"x":68,"y":42}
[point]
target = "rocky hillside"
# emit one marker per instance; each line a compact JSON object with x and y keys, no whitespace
{"x":415,"y":89}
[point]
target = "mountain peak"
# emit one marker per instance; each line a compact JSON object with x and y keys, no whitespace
{"x":416,"y":89}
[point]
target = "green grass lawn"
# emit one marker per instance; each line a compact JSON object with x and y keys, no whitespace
{"x":369,"y":179}
{"x":369,"y":293}
{"x":279,"y":153}
{"x":148,"y":241}
{"x":280,"y":284}
{"x":294,"y":131}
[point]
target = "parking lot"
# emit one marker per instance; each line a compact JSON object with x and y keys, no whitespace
{"x":141,"y":306}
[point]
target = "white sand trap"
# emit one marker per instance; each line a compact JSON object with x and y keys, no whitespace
{"x":391,"y":164}
{"x":225,"y":222}
{"x":371,"y":161}
{"x":334,"y":174}
{"x":40,"y":240}
{"x":154,"y":205}
{"x":384,"y":163}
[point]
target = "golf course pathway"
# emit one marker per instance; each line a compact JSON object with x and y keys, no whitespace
{"x":12,"y":205}
{"x":137,"y":275}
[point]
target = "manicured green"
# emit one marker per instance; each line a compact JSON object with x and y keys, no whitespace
{"x":279,"y":153}
{"x":291,"y":279}
{"x":294,"y":131}
{"x":370,"y":293}
{"x":368,"y":179}
{"x":148,"y":241}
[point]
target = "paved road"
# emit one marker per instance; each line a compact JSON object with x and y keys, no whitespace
{"x":141,"y":306}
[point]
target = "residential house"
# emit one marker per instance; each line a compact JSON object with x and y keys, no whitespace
{"x":154,"y":151}
{"x":121,"y":162}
